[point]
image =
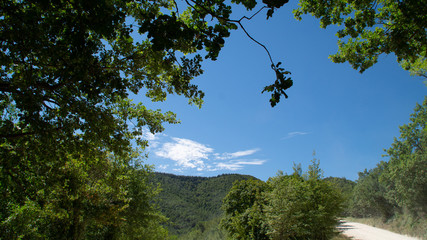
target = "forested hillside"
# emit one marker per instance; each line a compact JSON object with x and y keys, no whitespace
{"x":188,"y":201}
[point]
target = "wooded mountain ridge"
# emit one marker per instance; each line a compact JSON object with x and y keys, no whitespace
{"x":189,"y":200}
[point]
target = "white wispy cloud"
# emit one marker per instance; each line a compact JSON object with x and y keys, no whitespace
{"x":189,"y":154}
{"x":237,"y":165}
{"x":234,"y":155}
{"x":186,"y":153}
{"x":294,"y":134}
{"x":162,"y":166}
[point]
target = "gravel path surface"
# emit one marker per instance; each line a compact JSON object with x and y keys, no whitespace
{"x":359,"y":231}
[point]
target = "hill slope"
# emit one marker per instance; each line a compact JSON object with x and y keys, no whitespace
{"x":188,"y":200}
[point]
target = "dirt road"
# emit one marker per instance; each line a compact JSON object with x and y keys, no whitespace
{"x":359,"y":231}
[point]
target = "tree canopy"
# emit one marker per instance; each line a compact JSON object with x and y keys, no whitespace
{"x":370,"y":28}
{"x":244,"y":210}
{"x":70,"y":66}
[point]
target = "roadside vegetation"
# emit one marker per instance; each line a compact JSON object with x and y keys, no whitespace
{"x":394,"y":193}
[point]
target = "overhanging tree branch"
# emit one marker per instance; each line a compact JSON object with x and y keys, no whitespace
{"x":282,"y":82}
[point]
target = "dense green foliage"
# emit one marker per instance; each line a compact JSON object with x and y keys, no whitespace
{"x":346,"y":187}
{"x":303,"y":209}
{"x":371,"y":28}
{"x":193,"y":203}
{"x":297,"y":206}
{"x":143,"y":219}
{"x":244,"y":210}
{"x":79,"y":199}
{"x":369,"y":195}
{"x":70,"y":66}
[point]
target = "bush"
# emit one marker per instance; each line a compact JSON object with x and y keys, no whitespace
{"x":302,"y":208}
{"x":298,"y":206}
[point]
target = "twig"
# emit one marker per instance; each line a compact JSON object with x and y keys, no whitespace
{"x":244,"y":17}
{"x":176,"y":5}
{"x":262,"y":45}
{"x":238,"y":22}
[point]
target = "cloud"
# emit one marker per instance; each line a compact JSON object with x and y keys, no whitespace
{"x":189,"y":154}
{"x":163,"y":166}
{"x":294,"y":134}
{"x":147,"y":135}
{"x":239,"y":164}
{"x":186,"y":153}
{"x":226,"y":156}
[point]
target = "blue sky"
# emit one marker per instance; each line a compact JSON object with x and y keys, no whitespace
{"x":346,"y":117}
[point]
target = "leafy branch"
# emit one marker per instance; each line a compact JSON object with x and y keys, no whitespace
{"x":282,"y":82}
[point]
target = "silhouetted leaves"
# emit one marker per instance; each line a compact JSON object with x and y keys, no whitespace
{"x":272,"y":4}
{"x":281,"y":84}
